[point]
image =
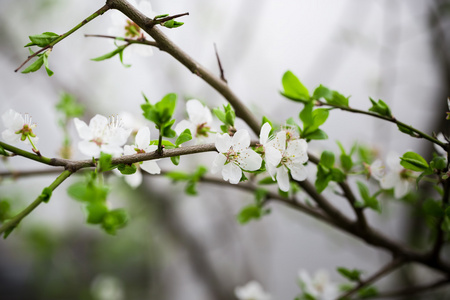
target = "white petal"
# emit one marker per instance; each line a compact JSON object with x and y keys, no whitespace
{"x":279,"y":142}
{"x":240,"y":140}
{"x":150,"y":148}
{"x":218,"y":163}
{"x":249,"y":160}
{"x":128,"y":150}
{"x":117,"y":136}
{"x":402,"y":188}
{"x":143,"y":138}
{"x":114,"y":150}
{"x":10,"y":136}
{"x":150,"y":167}
{"x":232,"y":173}
{"x":185,"y":124}
{"x":223,"y":142}
{"x":89,"y":148}
{"x":251,"y":291}
{"x":389,"y":180}
{"x":298,"y":171}
{"x":98,"y":125}
{"x":198,"y":114}
{"x":134,"y":180}
{"x":377,"y":169}
{"x":297,"y":151}
{"x":272,"y":170}
{"x":13,"y":120}
{"x":393,"y":161}
{"x":83,"y":130}
{"x":264,"y":134}
{"x":272,"y":155}
{"x":283,"y":179}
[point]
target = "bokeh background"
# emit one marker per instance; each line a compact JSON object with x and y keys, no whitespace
{"x":179,"y":247}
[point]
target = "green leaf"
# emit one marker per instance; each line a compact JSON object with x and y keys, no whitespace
{"x":380,"y":108}
{"x":306,"y":115}
{"x":327,"y":159}
{"x":167,"y":130}
{"x":368,"y":292}
{"x":363,"y":191}
{"x":184,"y":137}
{"x":220,"y":114}
{"x":248,"y":213}
{"x":8,"y":232}
{"x":175,"y":160}
{"x":110,"y":54}
{"x":46,"y":194}
{"x":267,"y":180}
{"x":433,"y":208}
{"x":166,"y":107}
{"x":42,"y":40}
{"x":178,"y":176}
{"x":337,"y":175}
{"x":172,"y":24}
{"x":230,"y":116}
{"x":96,"y":212}
{"x":337,"y":99}
{"x":318,"y":134}
{"x":260,"y":195}
{"x":160,"y":16}
{"x":69,"y":106}
{"x":199,"y":173}
{"x":104,"y":162}
{"x":36,"y":65}
{"x":191,"y":188}
{"x":352,"y":275}
{"x":322,"y":92}
{"x":5,"y":210}
{"x":346,"y":162}
{"x":368,"y":201}
{"x":293,"y":88}
{"x":413,"y":161}
{"x":407,"y":130}
{"x":114,"y":220}
{"x":2,"y":151}
{"x":127,"y":169}
{"x":45,"y":56}
{"x":438,"y":162}
{"x":78,"y":191}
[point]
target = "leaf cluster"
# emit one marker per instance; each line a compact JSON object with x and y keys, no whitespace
{"x":190,"y":179}
{"x":227,"y":116}
{"x":326,"y":171}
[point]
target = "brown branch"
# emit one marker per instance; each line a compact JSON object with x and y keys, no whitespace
{"x":381,"y":273}
{"x":415,"y":290}
{"x":131,"y":41}
{"x":222,"y":74}
{"x":436,"y":250}
{"x":168,"y":18}
{"x":348,"y":194}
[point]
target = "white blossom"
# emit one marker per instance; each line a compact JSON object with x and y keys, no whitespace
{"x":124,"y":27}
{"x":293,"y":156}
{"x":398,"y":178}
{"x":235,"y":156}
{"x":376,"y":169}
{"x":199,"y":122}
{"x":18,"y":128}
{"x":102,"y":135}
{"x":251,"y":291}
{"x":142,"y":145}
{"x":319,"y":287}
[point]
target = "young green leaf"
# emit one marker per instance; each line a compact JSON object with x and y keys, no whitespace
{"x":45,"y":57}
{"x":69,"y":106}
{"x":42,"y":40}
{"x":175,"y":160}
{"x":293,"y":88}
{"x":46,"y":194}
{"x":104,"y":162}
{"x":172,"y":24}
{"x":96,"y":211}
{"x":184,"y":137}
{"x":413,"y":161}
{"x":110,"y":54}
{"x":249,"y":213}
{"x":327,"y":159}
{"x":407,"y":130}
{"x":127,"y":169}
{"x":380,"y":108}
{"x":114,"y":220}
{"x":178,"y":176}
{"x":36,"y":65}
{"x":352,"y":275}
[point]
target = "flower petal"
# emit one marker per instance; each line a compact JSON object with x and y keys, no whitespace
{"x":150,"y":167}
{"x":223,"y":142}
{"x":272,"y":155}
{"x":114,"y":150}
{"x":13,"y":120}
{"x":218,"y":163}
{"x":297,"y":151}
{"x":198,"y":114}
{"x":10,"y":136}
{"x":142,"y":139}
{"x":279,"y":142}
{"x":298,"y":171}
{"x":232,"y":173}
{"x":98,"y":125}
{"x":128,"y":150}
{"x":134,"y":180}
{"x":89,"y":148}
{"x":249,"y":160}
{"x":83,"y":130}
{"x":185,"y":124}
{"x":264,"y":134}
{"x":240,"y":140}
{"x":283,"y":179}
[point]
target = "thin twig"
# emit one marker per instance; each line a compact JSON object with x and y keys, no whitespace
{"x":348,"y":194}
{"x":381,"y":273}
{"x":222,"y":74}
{"x":131,"y":41}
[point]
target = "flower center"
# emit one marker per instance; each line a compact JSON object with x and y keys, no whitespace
{"x":202,"y":130}
{"x":25,"y":132}
{"x":139,"y":151}
{"x":231,"y":155}
{"x":132,"y":30}
{"x":98,"y":141}
{"x":405,"y":174}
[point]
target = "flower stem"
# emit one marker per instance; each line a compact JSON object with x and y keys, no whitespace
{"x":36,"y":150}
{"x":32,"y":156}
{"x":8,"y":226}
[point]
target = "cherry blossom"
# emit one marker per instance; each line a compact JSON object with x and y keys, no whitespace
{"x":199,"y":122}
{"x":293,"y":156}
{"x":235,"y":156}
{"x":251,"y":291}
{"x":319,"y":287}
{"x":142,"y":145}
{"x":102,"y":135}
{"x":124,"y":27}
{"x":18,"y":128}
{"x":398,"y":178}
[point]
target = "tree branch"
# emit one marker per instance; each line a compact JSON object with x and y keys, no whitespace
{"x":415,"y":290}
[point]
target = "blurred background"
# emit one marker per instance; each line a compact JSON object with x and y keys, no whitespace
{"x":181,"y":247}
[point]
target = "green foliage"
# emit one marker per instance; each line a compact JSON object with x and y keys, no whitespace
{"x":227,"y":116}
{"x":331,"y":97}
{"x":191,"y":179}
{"x":42,"y":59}
{"x":127,"y":169}
{"x":352,"y":275}
{"x":267,"y":180}
{"x":2,"y":151}
{"x":256,"y":210}
{"x":293,"y":88}
{"x":413,"y":161}
{"x":184,"y":137}
{"x":161,"y":113}
{"x":104,"y":162}
{"x":42,"y":40}
{"x":5,"y":210}
{"x":92,"y":193}
{"x":118,"y":51}
{"x":368,"y":201}
{"x":368,"y":292}
{"x":346,"y":159}
{"x":406,"y":130}
{"x":312,"y":119}
{"x":326,"y":172}
{"x":172,"y":24}
{"x":69,"y":106}
{"x":380,"y":108}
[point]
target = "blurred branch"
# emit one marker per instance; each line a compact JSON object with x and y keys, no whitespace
{"x":130,"y":41}
{"x":415,"y":290}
